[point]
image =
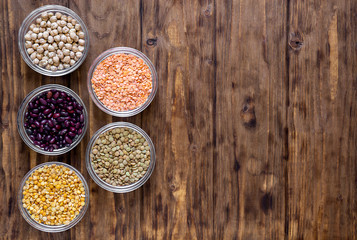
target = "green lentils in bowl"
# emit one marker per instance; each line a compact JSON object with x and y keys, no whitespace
{"x":120,"y":156}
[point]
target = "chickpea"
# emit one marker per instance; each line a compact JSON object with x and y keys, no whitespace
{"x":60,"y":54}
{"x":54,"y":25}
{"x":69,"y":40}
{"x":54,"y":32}
{"x":30,"y":50}
{"x":66,"y":52}
{"x":35,"y":46}
{"x":65,"y":29}
{"x":79,"y":54}
{"x":57,"y":38}
{"x":81,"y":42}
{"x":40,"y":50}
{"x":58,"y":15}
{"x":72,"y":62}
{"x":50,"y":39}
{"x":63,"y":38}
{"x":51,"y":48}
{"x":28,"y":37}
{"x":55,"y":41}
{"x":53,"y":19}
{"x":44,"y":15}
{"x":33,"y":55}
{"x":60,"y":45}
{"x":68,"y":46}
{"x":33,"y":36}
{"x":32,"y":26}
{"x":36,"y":30}
{"x":43,"y":63}
{"x":55,"y":59}
{"x":45,"y":46}
{"x":81,"y":34}
{"x":28,"y":44}
{"x":45,"y":34}
{"x":66,"y":59}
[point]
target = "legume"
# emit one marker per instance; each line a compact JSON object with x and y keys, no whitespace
{"x":53,"y":120}
{"x":55,"y":41}
{"x":122,"y":82}
{"x":120,"y":156}
{"x":53,"y":195}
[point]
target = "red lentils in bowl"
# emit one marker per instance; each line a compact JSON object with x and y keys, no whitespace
{"x":122,"y":82}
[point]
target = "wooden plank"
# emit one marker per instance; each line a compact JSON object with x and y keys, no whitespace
{"x":111,"y":24}
{"x":322,"y":120}
{"x":17,"y":80}
{"x":178,"y":36}
{"x":250,"y":115}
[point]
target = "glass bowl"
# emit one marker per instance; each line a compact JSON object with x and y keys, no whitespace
{"x":130,"y":51}
{"x":23,"y":109}
{"x":31,"y":19}
{"x":126,"y":188}
{"x":45,"y":227}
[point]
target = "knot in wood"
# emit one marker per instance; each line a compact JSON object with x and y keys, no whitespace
{"x":151,"y":41}
{"x":120,"y":210}
{"x":208,"y":11}
{"x":248,"y":113}
{"x":296,"y":41}
{"x":172,"y":187}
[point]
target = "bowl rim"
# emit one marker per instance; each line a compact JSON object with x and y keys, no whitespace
{"x":52,"y":228}
{"x":21,"y":116}
{"x":126,"y":188}
{"x":25,"y":27}
{"x":125,"y":50}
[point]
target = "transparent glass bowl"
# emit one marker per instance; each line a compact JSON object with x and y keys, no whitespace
{"x":23,"y":109}
{"x":126,"y":188}
{"x":52,"y":228}
{"x":125,"y":50}
{"x":31,"y":19}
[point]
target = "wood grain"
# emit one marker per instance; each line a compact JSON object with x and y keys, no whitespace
{"x":254,"y":121}
{"x":322,"y":127}
{"x":250,"y":120}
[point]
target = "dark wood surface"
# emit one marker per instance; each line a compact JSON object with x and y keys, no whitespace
{"x":254,"y":121}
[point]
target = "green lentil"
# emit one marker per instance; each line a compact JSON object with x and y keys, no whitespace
{"x":120,"y":156}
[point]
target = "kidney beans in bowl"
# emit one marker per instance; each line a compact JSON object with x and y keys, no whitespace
{"x":52,"y":119}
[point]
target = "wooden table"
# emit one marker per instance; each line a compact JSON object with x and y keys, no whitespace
{"x":254,"y":121}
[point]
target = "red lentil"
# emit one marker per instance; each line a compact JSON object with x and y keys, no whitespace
{"x":122,"y":82}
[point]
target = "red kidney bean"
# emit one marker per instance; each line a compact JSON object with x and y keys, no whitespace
{"x":43,"y":101}
{"x":40,"y":120}
{"x":47,"y":111}
{"x":71,"y":134}
{"x":68,"y":140}
{"x":49,"y":94}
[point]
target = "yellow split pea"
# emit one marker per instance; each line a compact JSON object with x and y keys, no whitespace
{"x":53,"y":195}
